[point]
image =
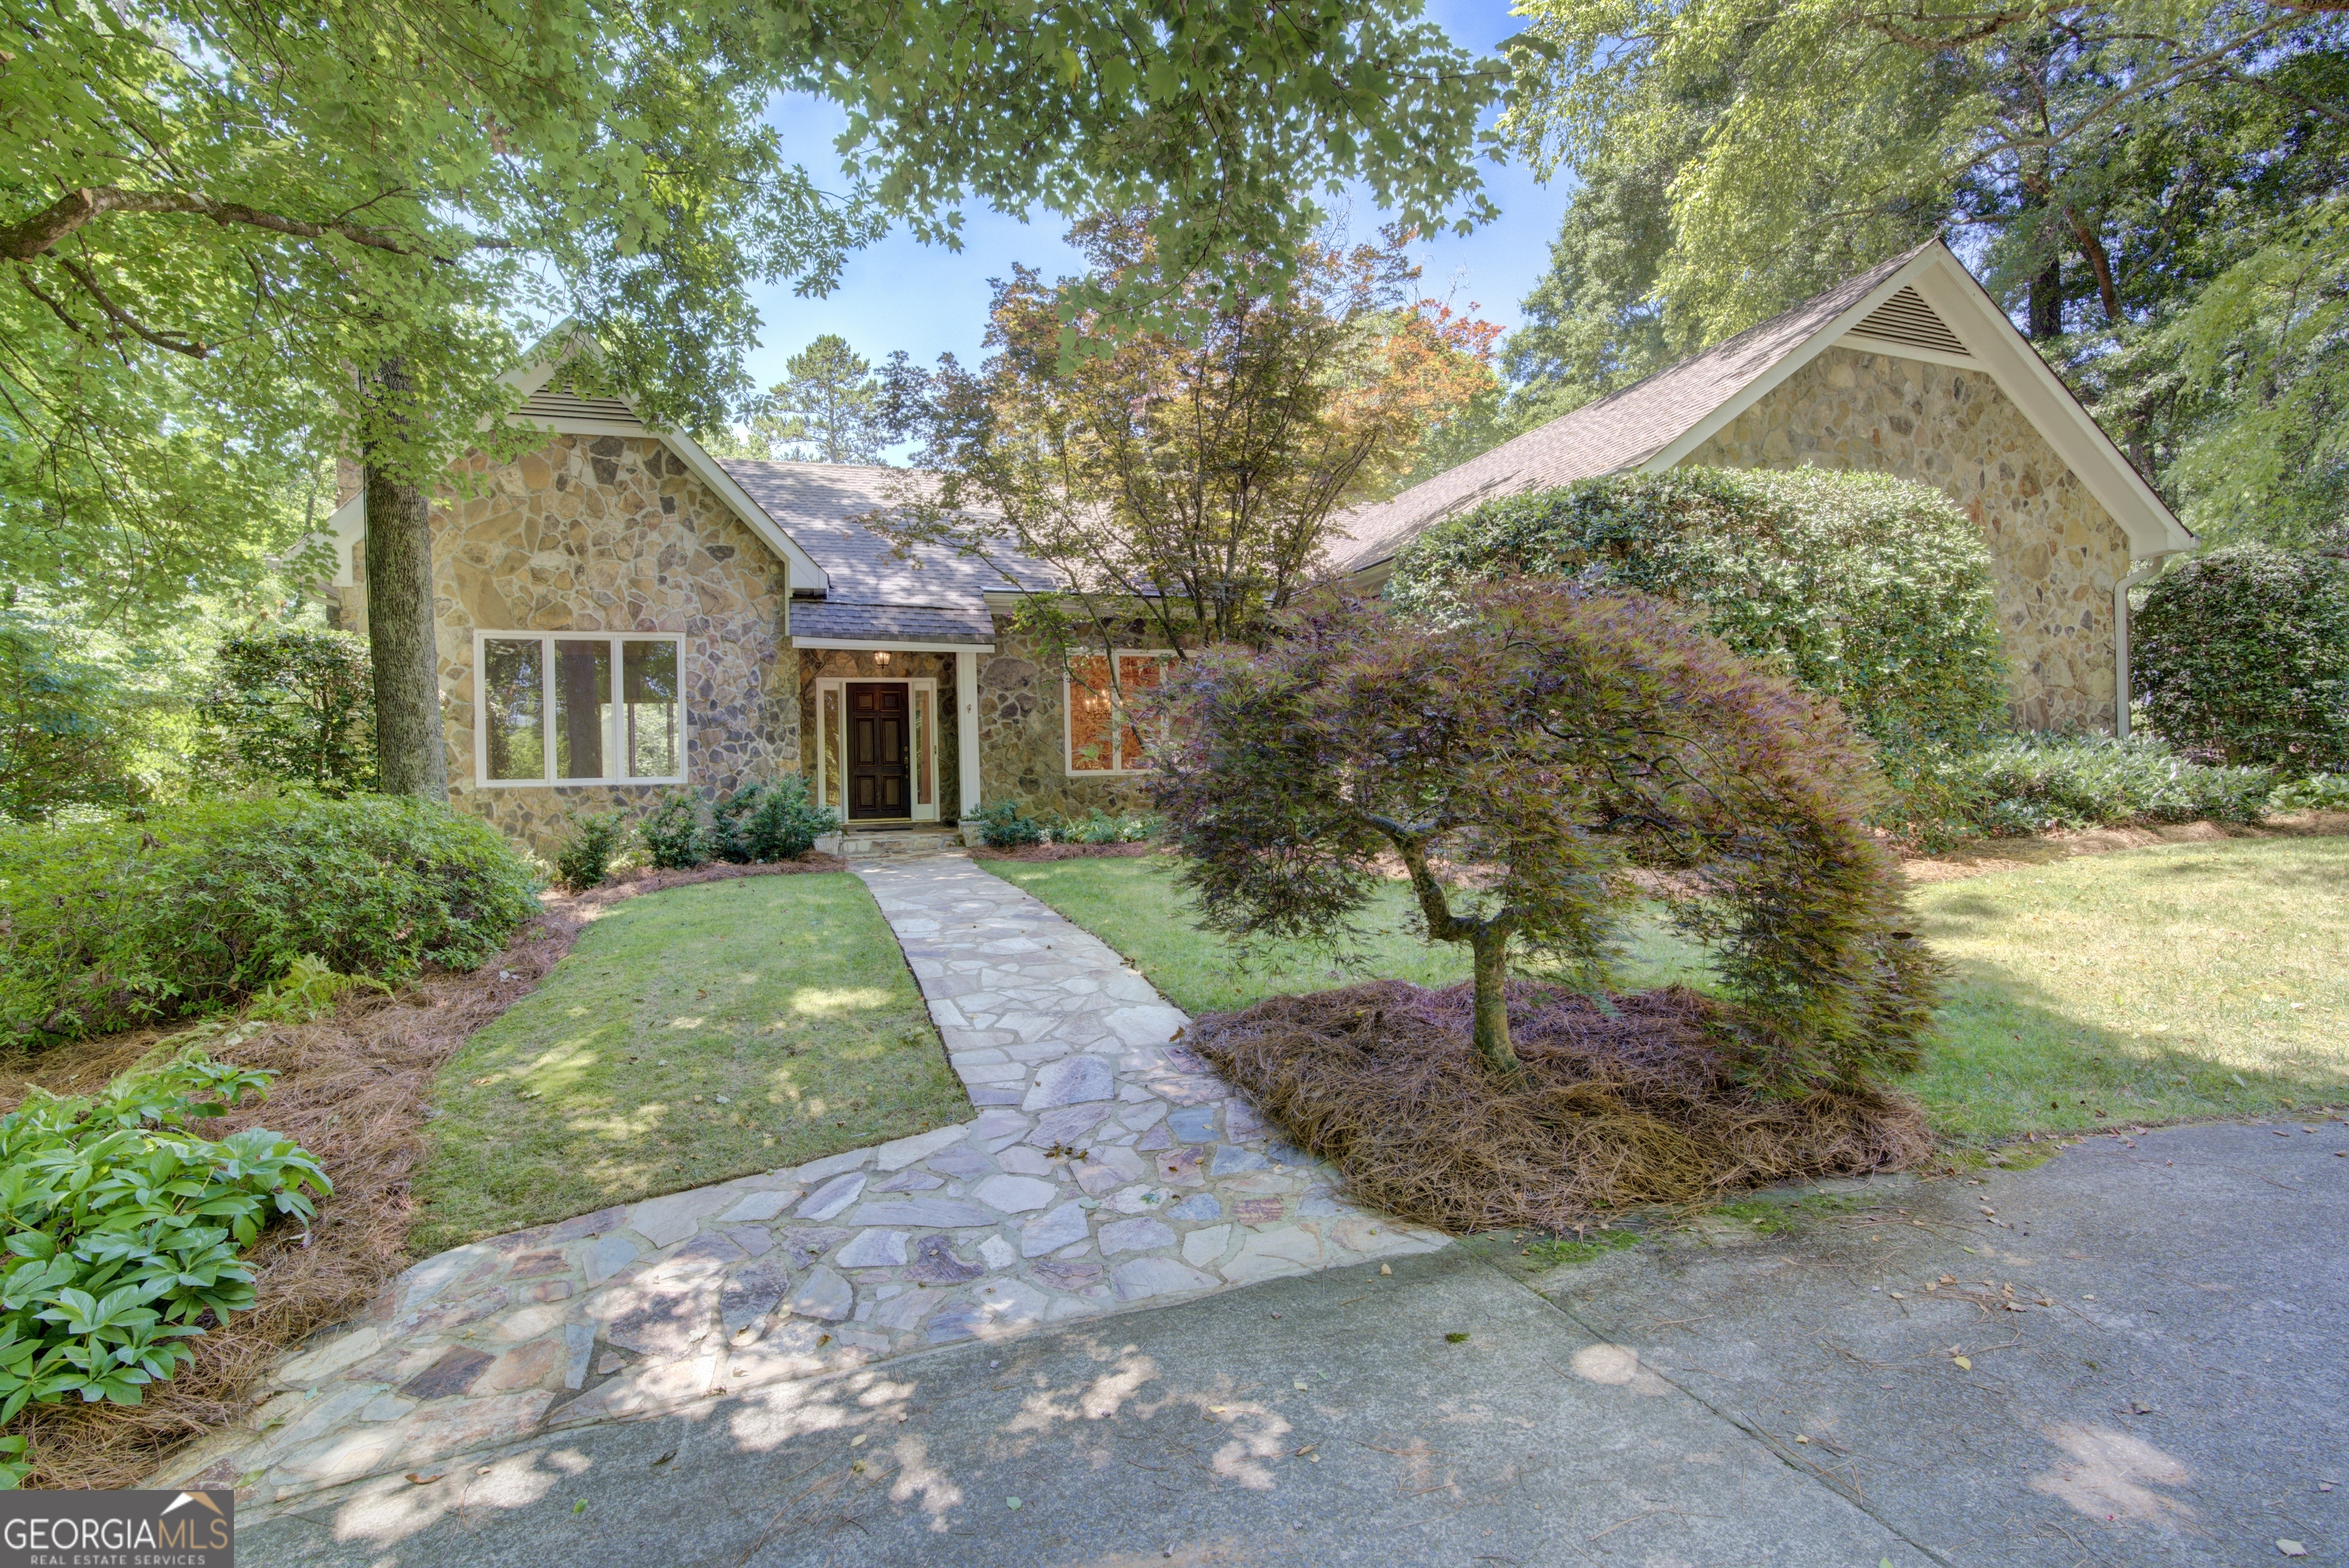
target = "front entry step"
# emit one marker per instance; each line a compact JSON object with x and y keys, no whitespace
{"x":857,"y":843}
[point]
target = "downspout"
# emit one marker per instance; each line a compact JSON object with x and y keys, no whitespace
{"x":2121,"y":641}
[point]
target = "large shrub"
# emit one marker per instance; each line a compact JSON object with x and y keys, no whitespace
{"x":297,"y":704}
{"x":124,"y":1229}
{"x":1870,"y":590}
{"x":2244,"y":653}
{"x":64,"y":739}
{"x":107,"y":924}
{"x":1517,"y":759}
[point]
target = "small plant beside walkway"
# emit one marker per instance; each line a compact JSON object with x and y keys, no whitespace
{"x":691,"y":1035}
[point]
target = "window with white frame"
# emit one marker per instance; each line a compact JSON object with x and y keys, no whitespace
{"x":1101,"y":734}
{"x":565,"y":709}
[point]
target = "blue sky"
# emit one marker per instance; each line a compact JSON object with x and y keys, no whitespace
{"x":928,"y":301}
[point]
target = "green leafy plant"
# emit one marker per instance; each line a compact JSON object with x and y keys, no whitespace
{"x":297,"y":704}
{"x":1519,"y":759}
{"x":779,"y":822}
{"x":584,"y":859}
{"x":1099,"y":827}
{"x":2034,"y":782}
{"x":2316,"y":792}
{"x":673,"y":833}
{"x":1865,"y":589}
{"x":1004,"y":826}
{"x":2244,"y":652}
{"x":105,"y":925}
{"x":124,"y":1230}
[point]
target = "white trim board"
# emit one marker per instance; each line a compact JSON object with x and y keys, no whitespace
{"x":1997,"y":351}
{"x":869,"y":645}
{"x":614,"y":744}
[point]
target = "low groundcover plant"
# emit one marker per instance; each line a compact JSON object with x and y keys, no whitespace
{"x":125,"y":1230}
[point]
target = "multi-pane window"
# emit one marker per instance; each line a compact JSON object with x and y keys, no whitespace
{"x":1102,"y":737}
{"x":566,"y":709}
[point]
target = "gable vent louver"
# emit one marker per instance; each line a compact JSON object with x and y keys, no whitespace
{"x":1906,"y":319}
{"x":550,"y":403}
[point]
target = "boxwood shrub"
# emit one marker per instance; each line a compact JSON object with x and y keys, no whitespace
{"x":1870,"y":590}
{"x":107,"y":925}
{"x":2244,"y":653}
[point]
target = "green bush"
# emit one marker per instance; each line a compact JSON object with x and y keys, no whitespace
{"x":778,"y":821}
{"x":2244,"y":653}
{"x":584,"y":860}
{"x":297,"y":704}
{"x":105,"y":924}
{"x":2037,"y":782}
{"x":673,"y":834}
{"x":64,"y":737}
{"x":1004,"y":826}
{"x":124,"y":1230}
{"x":2316,"y":792}
{"x":1870,"y":590}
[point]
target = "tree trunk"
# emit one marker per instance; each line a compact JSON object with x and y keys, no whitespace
{"x":1491,"y":1027}
{"x":411,"y":758}
{"x":2047,"y":310}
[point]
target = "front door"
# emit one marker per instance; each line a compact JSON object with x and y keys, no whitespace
{"x":878,"y":749}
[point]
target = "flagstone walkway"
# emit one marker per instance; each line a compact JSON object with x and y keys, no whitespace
{"x":1108,"y":1169}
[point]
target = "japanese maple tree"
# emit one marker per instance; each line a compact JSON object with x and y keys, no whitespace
{"x":1520,"y":761}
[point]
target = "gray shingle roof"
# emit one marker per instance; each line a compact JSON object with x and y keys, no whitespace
{"x":888,"y":623}
{"x":818,"y":505}
{"x":1619,"y":432}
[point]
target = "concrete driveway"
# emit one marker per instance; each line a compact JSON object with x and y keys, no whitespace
{"x":2138,"y":1355}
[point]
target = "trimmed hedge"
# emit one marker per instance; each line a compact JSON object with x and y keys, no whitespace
{"x":107,"y":924}
{"x":1870,"y":590}
{"x":2244,"y":653}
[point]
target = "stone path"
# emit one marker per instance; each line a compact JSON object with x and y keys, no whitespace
{"x":1107,"y":1169}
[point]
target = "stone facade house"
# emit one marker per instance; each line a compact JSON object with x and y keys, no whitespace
{"x":621,"y":614}
{"x":1908,"y":369}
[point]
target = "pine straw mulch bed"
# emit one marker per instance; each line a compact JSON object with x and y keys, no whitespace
{"x":352,"y":1088}
{"x":1066,"y":851}
{"x":1632,"y":1107}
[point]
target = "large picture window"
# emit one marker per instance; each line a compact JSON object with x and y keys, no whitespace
{"x":1102,"y":733}
{"x":568,"y":710}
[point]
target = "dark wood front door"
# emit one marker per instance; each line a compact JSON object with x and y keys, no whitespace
{"x":878,"y":749}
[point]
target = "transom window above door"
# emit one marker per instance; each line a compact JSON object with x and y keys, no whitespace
{"x":563,"y":708}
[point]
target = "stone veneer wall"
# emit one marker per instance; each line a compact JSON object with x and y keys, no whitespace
{"x":1023,"y":734}
{"x":611,"y":533}
{"x":858,"y":665}
{"x":2055,"y":553}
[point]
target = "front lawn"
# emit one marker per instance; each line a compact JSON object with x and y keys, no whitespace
{"x":691,"y":1035}
{"x":2156,"y":985}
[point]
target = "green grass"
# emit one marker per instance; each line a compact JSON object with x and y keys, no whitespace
{"x":2156,"y":984}
{"x":1136,"y":906}
{"x":2153,"y":984}
{"x":786,"y":994}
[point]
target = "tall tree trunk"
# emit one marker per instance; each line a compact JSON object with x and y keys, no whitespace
{"x":411,"y":755}
{"x":1490,"y":1036}
{"x":2046,"y":311}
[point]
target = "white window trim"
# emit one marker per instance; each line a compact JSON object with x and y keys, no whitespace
{"x":923,"y":694}
{"x":1116,"y":742}
{"x":612,"y":747}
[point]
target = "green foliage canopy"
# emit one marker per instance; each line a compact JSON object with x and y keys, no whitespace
{"x":297,"y":704}
{"x":244,"y":240}
{"x":1870,"y":590}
